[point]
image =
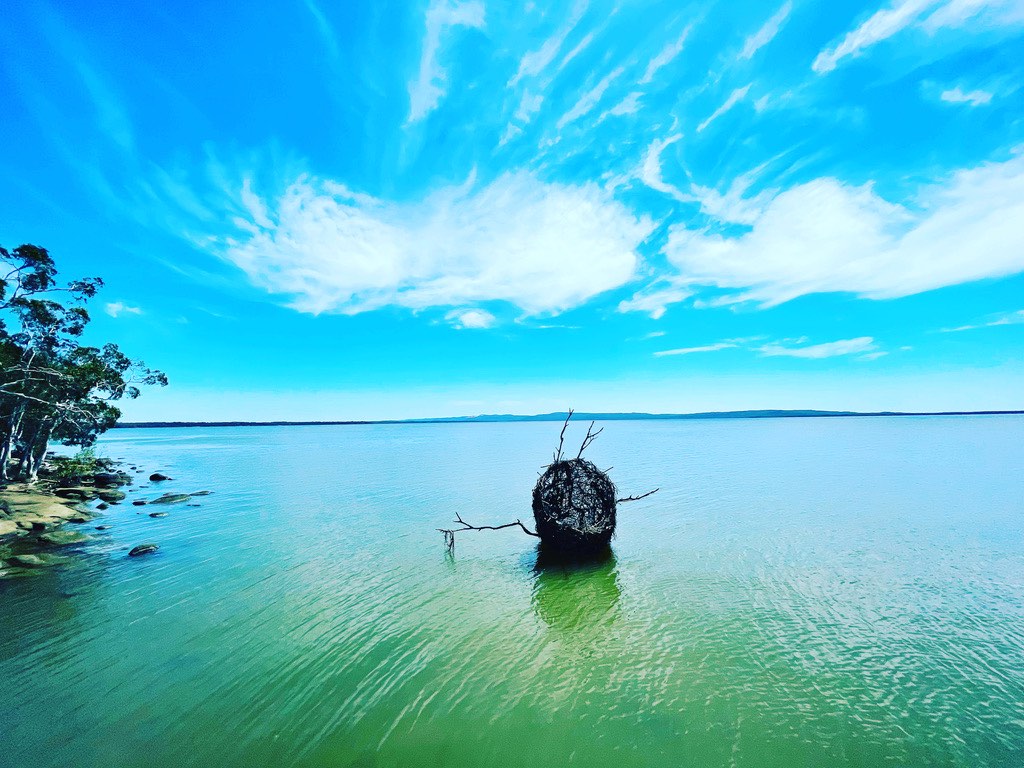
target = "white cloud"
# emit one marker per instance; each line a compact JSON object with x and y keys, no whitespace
{"x":767,"y":33}
{"x":543,"y":247}
{"x":650,"y":169}
{"x":881,"y":26}
{"x":656,"y":301}
{"x":471,"y":318}
{"x":692,"y":350}
{"x":426,"y":90}
{"x":628,"y":106}
{"x":665,"y":57}
{"x":730,"y":206}
{"x":735,"y":97}
{"x":535,"y":62}
{"x":117,"y":308}
{"x":1010,"y":318}
{"x":956,"y":13}
{"x":590,"y":99}
{"x":930,"y":15}
{"x":825,"y":236}
{"x":975,"y":98}
{"x":818,"y":351}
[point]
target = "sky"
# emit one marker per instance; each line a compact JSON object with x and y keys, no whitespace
{"x":326,"y":209}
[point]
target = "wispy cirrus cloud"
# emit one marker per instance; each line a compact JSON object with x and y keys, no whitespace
{"x":767,"y":33}
{"x":734,"y":98}
{"x":536,"y":61}
{"x":590,"y":99}
{"x":543,"y":247}
{"x":929,"y":15}
{"x":1009,"y":318}
{"x":862,"y":344}
{"x":665,"y":57}
{"x":427,"y":90}
{"x":695,"y":350}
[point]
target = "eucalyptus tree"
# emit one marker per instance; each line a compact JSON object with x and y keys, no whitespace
{"x":52,"y":387}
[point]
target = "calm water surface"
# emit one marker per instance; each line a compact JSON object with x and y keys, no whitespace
{"x":802,"y":592}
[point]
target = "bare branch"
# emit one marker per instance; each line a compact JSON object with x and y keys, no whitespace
{"x":591,"y":437}
{"x":636,"y":498}
{"x":561,"y":437}
{"x":449,"y":533}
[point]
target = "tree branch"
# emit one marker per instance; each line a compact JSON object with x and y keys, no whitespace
{"x":636,"y":498}
{"x":591,"y":437}
{"x":449,"y":533}
{"x":561,"y":437}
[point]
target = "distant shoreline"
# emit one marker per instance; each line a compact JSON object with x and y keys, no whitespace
{"x":560,"y":416}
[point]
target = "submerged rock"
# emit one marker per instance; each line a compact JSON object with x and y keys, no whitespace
{"x":37,"y":561}
{"x":62,"y":538}
{"x":139,"y":503}
{"x":201,"y":493}
{"x":102,"y":527}
{"x":102,"y":505}
{"x":111,"y":496}
{"x":143,"y":549}
{"x":171,"y":498}
{"x":158,"y":514}
{"x":157,"y":477}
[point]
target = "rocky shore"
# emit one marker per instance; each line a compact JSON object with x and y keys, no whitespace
{"x":33,"y":516}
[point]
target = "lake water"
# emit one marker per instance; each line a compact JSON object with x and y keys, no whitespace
{"x":801,"y":592}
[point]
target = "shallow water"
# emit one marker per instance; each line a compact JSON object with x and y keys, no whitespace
{"x":819,"y":592}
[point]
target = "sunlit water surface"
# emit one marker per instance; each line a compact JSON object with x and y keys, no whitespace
{"x":801,"y":592}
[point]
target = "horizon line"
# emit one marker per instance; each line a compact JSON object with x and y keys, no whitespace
{"x":561,"y":416}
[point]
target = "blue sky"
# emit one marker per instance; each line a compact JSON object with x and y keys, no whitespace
{"x":349,"y":209}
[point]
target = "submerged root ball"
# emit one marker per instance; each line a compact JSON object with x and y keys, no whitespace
{"x":574,"y":507}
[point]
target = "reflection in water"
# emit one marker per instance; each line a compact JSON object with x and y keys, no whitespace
{"x":576,"y":595}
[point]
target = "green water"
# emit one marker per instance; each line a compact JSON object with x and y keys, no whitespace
{"x":800,"y":593}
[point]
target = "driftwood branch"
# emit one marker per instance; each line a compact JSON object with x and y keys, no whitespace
{"x":636,"y":498}
{"x":591,"y":437}
{"x":449,"y":533}
{"x":561,"y":437}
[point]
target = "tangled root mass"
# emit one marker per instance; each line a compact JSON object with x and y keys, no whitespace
{"x":574,"y":507}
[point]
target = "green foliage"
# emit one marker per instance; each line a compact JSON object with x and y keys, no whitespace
{"x":51,"y":386}
{"x":82,"y":464}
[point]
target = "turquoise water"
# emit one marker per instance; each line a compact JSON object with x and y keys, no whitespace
{"x":801,"y":592}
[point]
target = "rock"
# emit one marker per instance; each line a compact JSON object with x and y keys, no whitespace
{"x":62,"y":538}
{"x":143,"y":549}
{"x":156,"y":477}
{"x":158,"y":514}
{"x":111,"y":496}
{"x":76,"y":494}
{"x":102,"y":527}
{"x":102,"y":505}
{"x":37,"y":561}
{"x":171,"y":498}
{"x":8,"y":527}
{"x":80,"y":519}
{"x":139,"y":502}
{"x":201,"y":493}
{"x":107,"y":479}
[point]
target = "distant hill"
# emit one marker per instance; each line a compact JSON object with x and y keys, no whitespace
{"x":560,"y":416}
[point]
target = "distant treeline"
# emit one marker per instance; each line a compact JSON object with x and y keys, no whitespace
{"x":560,"y":416}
